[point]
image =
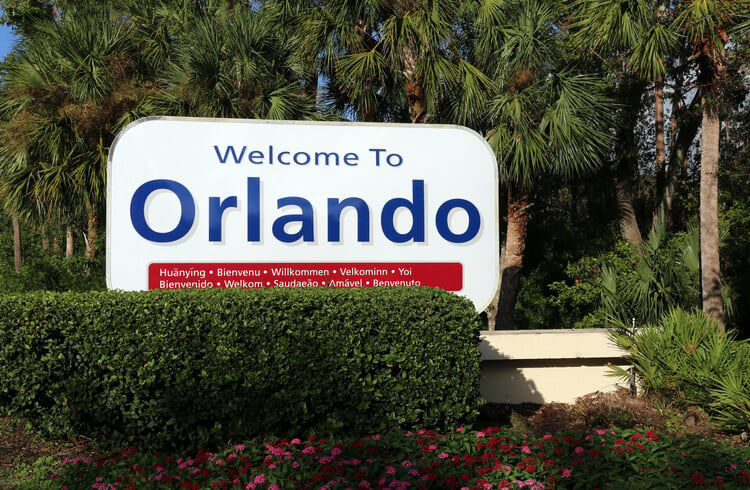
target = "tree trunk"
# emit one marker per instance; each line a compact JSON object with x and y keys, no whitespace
{"x":17,"y":243}
{"x":627,"y":157}
{"x":93,"y":231}
{"x":712,"y":71}
{"x":415,"y":91}
{"x":709,"y":216}
{"x":45,"y":238}
{"x":69,"y":242}
{"x":683,"y":134}
{"x":659,"y":143}
{"x":515,"y":243}
{"x":491,"y":310}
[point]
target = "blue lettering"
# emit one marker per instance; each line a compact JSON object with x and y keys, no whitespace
{"x":254,"y":155}
{"x":216,"y":208}
{"x":377,"y":152}
{"x":306,"y":155}
{"x":253,"y":209}
{"x":441,"y":220}
{"x":138,"y":211}
{"x":305,"y":218}
{"x":230,"y":149}
{"x":335,"y":208}
{"x":415,"y":208}
{"x":307,"y":225}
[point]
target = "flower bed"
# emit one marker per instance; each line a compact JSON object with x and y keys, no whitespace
{"x":464,"y":459}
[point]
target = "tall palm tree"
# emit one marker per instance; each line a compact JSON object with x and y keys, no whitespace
{"x":543,"y":119}
{"x":707,"y":26}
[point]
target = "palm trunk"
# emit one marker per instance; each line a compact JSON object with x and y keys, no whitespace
{"x":709,"y":216}
{"x":93,"y":231}
{"x":659,"y":143}
{"x":415,"y":91}
{"x":45,"y":238}
{"x":712,"y":69}
{"x":69,"y":242}
{"x":627,"y":156}
{"x":515,"y":243}
{"x":491,"y":311}
{"x":17,"y":243}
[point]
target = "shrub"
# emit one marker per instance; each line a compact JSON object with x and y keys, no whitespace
{"x":188,"y":368}
{"x":686,"y":358}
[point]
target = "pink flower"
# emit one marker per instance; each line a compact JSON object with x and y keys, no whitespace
{"x":460,"y":429}
{"x":579,"y":450}
{"x":296,"y":441}
{"x":525,"y":449}
{"x":239,"y":447}
{"x":390,"y":470}
{"x":480,"y":434}
{"x":567,"y":472}
{"x":260,"y":479}
{"x":406,"y":463}
{"x":443,"y":455}
{"x":336,"y":451}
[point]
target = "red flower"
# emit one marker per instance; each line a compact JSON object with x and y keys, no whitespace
{"x":697,"y":479}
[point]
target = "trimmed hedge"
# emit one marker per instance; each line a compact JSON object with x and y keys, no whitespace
{"x":177,"y":370}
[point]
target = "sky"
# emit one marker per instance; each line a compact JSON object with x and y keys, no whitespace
{"x":6,"y":40}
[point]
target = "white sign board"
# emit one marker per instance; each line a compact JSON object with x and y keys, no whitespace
{"x":209,"y":203}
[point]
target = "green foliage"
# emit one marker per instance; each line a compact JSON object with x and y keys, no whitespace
{"x":44,"y":270}
{"x":611,"y":458}
{"x":186,"y":368}
{"x":686,"y":359}
{"x":630,"y":283}
{"x":661,"y":275}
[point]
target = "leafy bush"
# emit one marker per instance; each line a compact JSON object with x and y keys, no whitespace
{"x":634,"y":283}
{"x":187,"y":368}
{"x":686,"y":358}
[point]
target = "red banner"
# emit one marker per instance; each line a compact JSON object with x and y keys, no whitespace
{"x":445,"y":275}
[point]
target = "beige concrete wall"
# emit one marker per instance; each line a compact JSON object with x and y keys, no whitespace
{"x":543,"y":366}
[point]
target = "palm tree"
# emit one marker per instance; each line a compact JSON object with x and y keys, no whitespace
{"x":631,"y":41}
{"x":230,"y":62}
{"x":707,"y":26}
{"x":380,"y":61}
{"x":66,"y":94}
{"x":543,"y":118}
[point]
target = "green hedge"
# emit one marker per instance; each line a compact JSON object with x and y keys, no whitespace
{"x":183,"y":369}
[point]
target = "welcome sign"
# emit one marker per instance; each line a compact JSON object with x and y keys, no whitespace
{"x":222,"y":203}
